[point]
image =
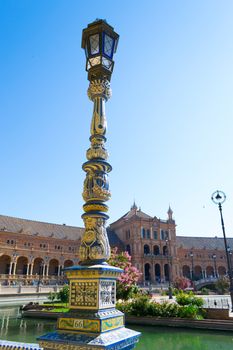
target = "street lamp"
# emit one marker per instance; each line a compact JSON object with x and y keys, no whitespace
{"x":100,"y":42}
{"x":192,"y":272}
{"x":219,"y":197}
{"x":230,"y":254}
{"x":40,"y":273}
{"x":215,"y":267}
{"x":169,"y":269}
{"x":92,"y":313}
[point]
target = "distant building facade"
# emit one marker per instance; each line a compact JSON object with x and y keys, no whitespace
{"x":156,"y":250}
{"x":151,"y":242}
{"x":32,"y":251}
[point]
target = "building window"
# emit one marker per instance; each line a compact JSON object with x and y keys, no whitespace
{"x":128,"y":249}
{"x":146,"y":249}
{"x":148,"y":234}
{"x":156,"y":250}
{"x":155,"y":235}
{"x":164,"y":235}
{"x":127,"y":234}
{"x":143,"y":233}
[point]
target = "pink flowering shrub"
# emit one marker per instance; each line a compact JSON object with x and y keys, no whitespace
{"x":127,"y":281}
{"x":182,"y":283}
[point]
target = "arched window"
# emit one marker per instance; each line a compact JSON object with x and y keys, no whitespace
{"x":148,"y":234}
{"x":156,"y":250}
{"x":146,"y":249}
{"x":21,"y":266}
{"x":38,"y":266}
{"x":186,"y":271}
{"x":127,"y":234}
{"x":166,"y":272}
{"x":210,"y":271}
{"x":53,"y":267}
{"x":165,"y":250}
{"x":5,"y":264}
{"x":198,"y":272}
{"x":222,"y":271}
{"x":157,"y":273}
{"x":147,"y":272}
{"x":143,"y":233}
{"x":128,"y":249}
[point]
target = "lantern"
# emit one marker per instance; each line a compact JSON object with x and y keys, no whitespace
{"x":100,"y":43}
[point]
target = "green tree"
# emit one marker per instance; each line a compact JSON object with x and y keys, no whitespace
{"x":63,"y":294}
{"x":222,"y":285}
{"x":52,"y":296}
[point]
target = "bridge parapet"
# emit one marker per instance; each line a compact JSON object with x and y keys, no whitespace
{"x":14,"y":345}
{"x":205,"y":281}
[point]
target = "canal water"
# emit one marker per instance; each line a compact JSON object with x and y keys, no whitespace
{"x":15,"y":328}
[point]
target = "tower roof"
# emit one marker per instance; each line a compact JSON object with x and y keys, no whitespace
{"x":134,"y":206}
{"x":170,"y":211}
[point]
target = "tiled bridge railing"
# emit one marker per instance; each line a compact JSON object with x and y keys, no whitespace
{"x":13,"y":345}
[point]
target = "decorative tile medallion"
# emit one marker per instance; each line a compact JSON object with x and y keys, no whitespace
{"x":107,"y":293}
{"x":84,"y":294}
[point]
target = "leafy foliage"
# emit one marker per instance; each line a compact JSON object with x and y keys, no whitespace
{"x":126,"y":283}
{"x":189,"y":307}
{"x":189,"y":299}
{"x":63,"y":294}
{"x":52,"y":297}
{"x":205,"y":291}
{"x":222,"y":285}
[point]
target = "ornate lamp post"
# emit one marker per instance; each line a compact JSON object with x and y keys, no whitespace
{"x":100,"y":42}
{"x":93,"y":322}
{"x":41,"y":267}
{"x":219,"y":197}
{"x":169,"y":271}
{"x":230,"y":255}
{"x":215,"y":267}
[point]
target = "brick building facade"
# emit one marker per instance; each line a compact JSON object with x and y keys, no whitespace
{"x":32,"y":250}
{"x":156,"y":249}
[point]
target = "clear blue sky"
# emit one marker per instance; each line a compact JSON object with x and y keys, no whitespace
{"x":170,"y":119}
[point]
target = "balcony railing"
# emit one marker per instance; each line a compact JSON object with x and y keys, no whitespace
{"x":29,"y":277}
{"x":157,"y":256}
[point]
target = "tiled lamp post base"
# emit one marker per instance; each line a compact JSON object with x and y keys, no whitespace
{"x":92,"y":322}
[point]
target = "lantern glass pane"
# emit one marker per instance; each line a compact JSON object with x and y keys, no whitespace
{"x":108,"y":45}
{"x":107,"y":63}
{"x":86,"y":51}
{"x":94,"y":44}
{"x":94,"y":61}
